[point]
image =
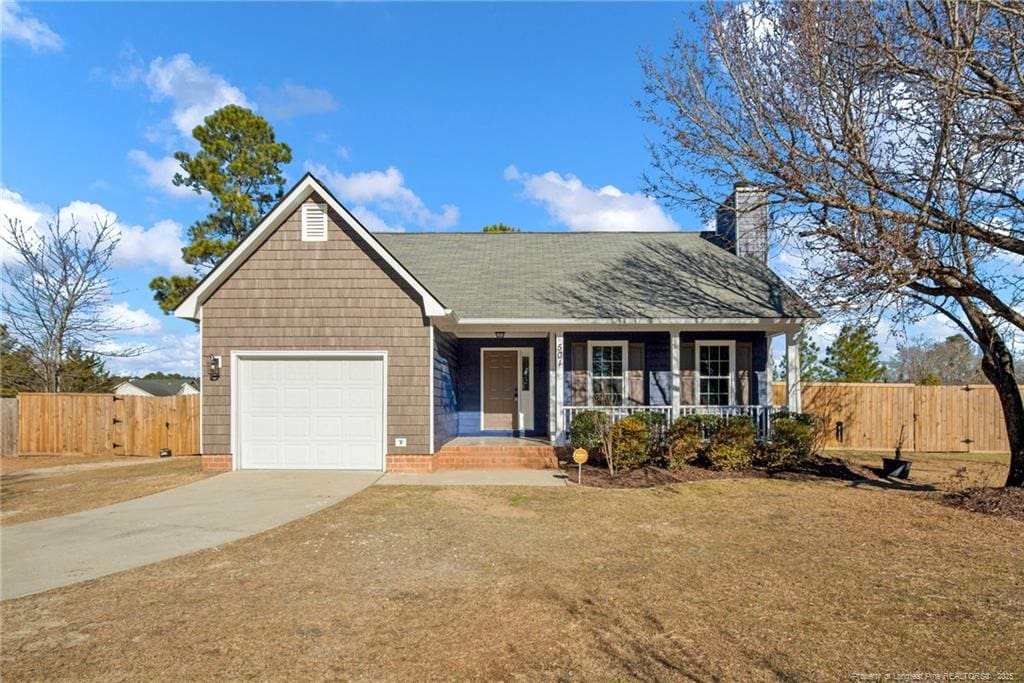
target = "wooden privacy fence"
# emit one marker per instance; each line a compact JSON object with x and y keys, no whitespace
{"x":8,"y":426}
{"x":943,"y":418}
{"x":105,"y":424}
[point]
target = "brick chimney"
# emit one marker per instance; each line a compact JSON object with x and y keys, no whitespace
{"x":741,"y":223}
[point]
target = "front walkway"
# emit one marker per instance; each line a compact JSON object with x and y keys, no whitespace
{"x":514,"y":477}
{"x":49,"y":553}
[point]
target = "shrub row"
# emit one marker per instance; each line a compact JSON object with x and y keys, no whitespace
{"x":704,"y":440}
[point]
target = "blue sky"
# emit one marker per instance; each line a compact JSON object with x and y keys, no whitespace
{"x":418,"y":116}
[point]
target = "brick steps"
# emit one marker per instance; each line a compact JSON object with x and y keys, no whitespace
{"x":478,"y":458}
{"x":495,"y":457}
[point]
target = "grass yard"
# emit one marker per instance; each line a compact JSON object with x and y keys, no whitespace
{"x":745,"y":579}
{"x":37,"y":487}
{"x":943,"y":470}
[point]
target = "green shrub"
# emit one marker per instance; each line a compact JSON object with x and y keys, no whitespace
{"x":684,"y":442}
{"x":587,"y":429}
{"x":733,"y":445}
{"x":656,"y":424}
{"x":707,"y":424}
{"x":794,"y":441}
{"x":630,"y":448}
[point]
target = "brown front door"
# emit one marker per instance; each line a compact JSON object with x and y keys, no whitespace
{"x":499,"y":378}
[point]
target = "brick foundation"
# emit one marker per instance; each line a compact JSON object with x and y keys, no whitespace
{"x":477,"y":458}
{"x":419,"y":464}
{"x":217,"y":463}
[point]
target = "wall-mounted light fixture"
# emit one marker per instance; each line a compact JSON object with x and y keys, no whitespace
{"x":499,"y":335}
{"x":214,"y":368}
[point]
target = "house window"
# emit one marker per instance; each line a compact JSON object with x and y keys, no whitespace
{"x":526,"y":373}
{"x":607,"y":373}
{"x":715,"y":373}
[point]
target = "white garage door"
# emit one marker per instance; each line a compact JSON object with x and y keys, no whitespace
{"x":302,"y":413}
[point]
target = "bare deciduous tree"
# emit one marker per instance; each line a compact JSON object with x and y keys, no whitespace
{"x":890,"y":138}
{"x":57,"y":294}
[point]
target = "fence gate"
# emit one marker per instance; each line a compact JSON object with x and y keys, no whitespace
{"x":941,"y":419}
{"x":105,"y":424}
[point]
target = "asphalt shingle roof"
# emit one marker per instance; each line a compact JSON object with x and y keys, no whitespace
{"x":613,"y":275}
{"x":162,"y":387}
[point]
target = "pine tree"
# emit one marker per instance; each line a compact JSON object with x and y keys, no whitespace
{"x":239,"y":164}
{"x":854,"y":356}
{"x":810,"y":361}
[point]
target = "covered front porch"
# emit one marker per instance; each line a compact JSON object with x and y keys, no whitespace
{"x":497,"y":384}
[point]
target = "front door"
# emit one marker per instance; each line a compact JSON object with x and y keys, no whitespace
{"x":500,"y":404}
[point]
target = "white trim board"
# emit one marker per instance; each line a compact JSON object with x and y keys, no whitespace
{"x":624,"y":345}
{"x":237,"y":356}
{"x":191,"y":307}
{"x":697,"y":344}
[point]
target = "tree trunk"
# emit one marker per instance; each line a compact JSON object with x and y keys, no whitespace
{"x":997,"y":364}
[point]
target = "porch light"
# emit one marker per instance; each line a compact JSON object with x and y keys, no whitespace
{"x":214,"y":368}
{"x":499,"y":335}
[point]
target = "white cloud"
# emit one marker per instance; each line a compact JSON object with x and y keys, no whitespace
{"x":159,"y":172}
{"x":19,"y":24}
{"x":290,"y":100}
{"x":167,"y":353}
{"x":136,"y":321}
{"x":373,"y":222}
{"x":194,"y":90}
{"x":579,"y":207}
{"x":385,"y":191}
{"x":14,"y":207}
{"x":159,"y":244}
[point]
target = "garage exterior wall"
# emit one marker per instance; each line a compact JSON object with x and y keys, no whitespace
{"x":335,"y":295}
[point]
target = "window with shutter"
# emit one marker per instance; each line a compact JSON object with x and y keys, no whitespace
{"x":314,"y":223}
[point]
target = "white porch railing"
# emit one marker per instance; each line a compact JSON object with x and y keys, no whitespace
{"x":761,"y":415}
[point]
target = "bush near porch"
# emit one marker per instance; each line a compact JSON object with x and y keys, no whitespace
{"x":710,"y":441}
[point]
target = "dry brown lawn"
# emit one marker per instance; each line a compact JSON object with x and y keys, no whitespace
{"x":943,"y":470}
{"x":747,"y":579}
{"x":37,"y":487}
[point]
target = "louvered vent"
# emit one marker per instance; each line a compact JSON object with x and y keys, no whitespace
{"x":314,"y":223}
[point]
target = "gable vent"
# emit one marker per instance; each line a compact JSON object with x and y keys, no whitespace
{"x":314,"y":223}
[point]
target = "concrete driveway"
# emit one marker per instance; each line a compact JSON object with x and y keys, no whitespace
{"x":49,"y":553}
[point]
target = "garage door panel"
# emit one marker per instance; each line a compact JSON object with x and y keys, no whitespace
{"x":300,"y":413}
{"x":328,"y":427}
{"x":365,"y":371}
{"x":260,"y":430}
{"x":263,"y":398}
{"x":358,"y":400}
{"x":294,"y":371}
{"x":329,"y":399}
{"x":265,"y":373}
{"x":296,"y":399}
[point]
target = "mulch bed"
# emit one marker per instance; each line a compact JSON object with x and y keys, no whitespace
{"x":648,"y":477}
{"x":1002,"y":502}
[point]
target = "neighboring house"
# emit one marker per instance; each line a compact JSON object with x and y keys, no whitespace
{"x":326,"y":346}
{"x":157,"y":387}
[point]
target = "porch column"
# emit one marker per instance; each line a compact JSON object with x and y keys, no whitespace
{"x":558,"y":390}
{"x":552,"y":393}
{"x":677,"y":384}
{"x":793,"y":388}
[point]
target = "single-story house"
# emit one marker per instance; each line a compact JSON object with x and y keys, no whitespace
{"x":157,"y":387}
{"x":325,"y":346}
